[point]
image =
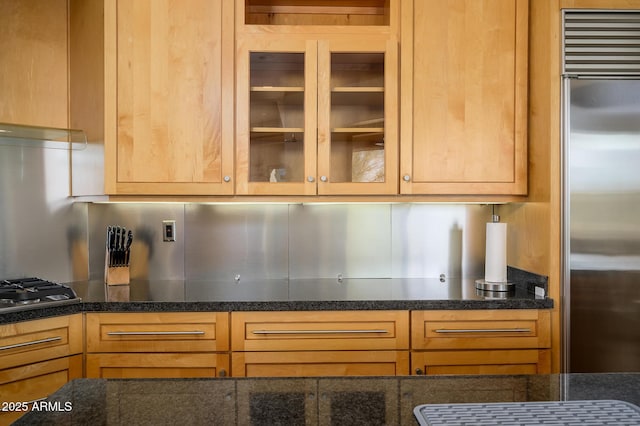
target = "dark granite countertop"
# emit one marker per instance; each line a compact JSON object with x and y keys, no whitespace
{"x":311,"y":401}
{"x":295,"y":295}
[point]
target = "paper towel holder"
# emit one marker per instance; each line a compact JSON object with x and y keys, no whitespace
{"x":485,"y":285}
{"x":491,"y":286}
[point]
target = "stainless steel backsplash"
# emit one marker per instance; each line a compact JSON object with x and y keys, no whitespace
{"x":224,"y":242}
{"x":42,"y":231}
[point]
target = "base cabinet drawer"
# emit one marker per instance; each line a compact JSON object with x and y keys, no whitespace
{"x":481,"y":342}
{"x":320,"y":330}
{"x":320,"y":363}
{"x":40,"y":340}
{"x":26,"y":384}
{"x":157,"y":332}
{"x":481,"y":329}
{"x":156,"y":365}
{"x":488,"y":362}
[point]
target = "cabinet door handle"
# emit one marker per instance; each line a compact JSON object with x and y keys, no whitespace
{"x":31,"y":343}
{"x":483,"y":330}
{"x":375,"y":331}
{"x":155,"y":333}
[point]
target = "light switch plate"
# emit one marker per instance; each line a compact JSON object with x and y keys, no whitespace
{"x":168,"y":230}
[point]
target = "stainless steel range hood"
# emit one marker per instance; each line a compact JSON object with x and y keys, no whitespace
{"x":42,"y":137}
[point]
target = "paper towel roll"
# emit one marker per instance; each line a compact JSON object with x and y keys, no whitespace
{"x":495,"y":263}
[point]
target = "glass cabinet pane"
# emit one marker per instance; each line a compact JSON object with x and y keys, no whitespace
{"x":276,"y":117}
{"x":357,"y":117}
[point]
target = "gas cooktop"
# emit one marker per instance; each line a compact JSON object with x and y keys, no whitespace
{"x":30,"y":293}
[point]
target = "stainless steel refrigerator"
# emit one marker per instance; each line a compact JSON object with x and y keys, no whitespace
{"x":602,"y":224}
{"x":601,"y":173}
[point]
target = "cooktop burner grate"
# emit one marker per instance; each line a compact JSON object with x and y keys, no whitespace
{"x":25,"y":293}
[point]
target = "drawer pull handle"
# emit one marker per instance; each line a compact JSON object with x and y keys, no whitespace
{"x":484,"y":330}
{"x":155,"y":333}
{"x":318,"y":331}
{"x":33,"y":342}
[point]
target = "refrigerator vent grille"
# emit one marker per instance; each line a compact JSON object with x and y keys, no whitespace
{"x":601,"y":42}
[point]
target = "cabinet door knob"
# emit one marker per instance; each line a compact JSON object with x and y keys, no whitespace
{"x":406,"y":178}
{"x":323,"y":178}
{"x":419,"y":371}
{"x":222,"y":373}
{"x":227,"y":178}
{"x":310,"y":179}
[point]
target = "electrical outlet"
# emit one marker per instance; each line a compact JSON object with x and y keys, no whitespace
{"x":168,"y":230}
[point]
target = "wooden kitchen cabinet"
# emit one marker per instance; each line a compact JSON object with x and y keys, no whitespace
{"x":37,"y":358}
{"x":481,"y":342}
{"x":316,"y":116}
{"x":40,"y":340}
{"x":327,"y":343}
{"x":165,"y":89}
{"x":464,"y":97}
{"x":34,"y":82}
{"x":166,"y":344}
{"x":28,"y":383}
{"x":315,"y":13}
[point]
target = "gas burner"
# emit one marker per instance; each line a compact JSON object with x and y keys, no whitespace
{"x":24,"y":293}
{"x":27,"y":301}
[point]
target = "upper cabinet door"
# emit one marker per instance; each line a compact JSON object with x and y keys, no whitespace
{"x":464,"y":97}
{"x":357,"y":117}
{"x":169,"y":97}
{"x":276,"y":116}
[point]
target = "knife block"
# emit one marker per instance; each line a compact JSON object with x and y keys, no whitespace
{"x":115,"y":275}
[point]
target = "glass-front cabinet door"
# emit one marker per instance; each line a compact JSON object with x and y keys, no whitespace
{"x":316,"y":117}
{"x":357,"y":118}
{"x":276,"y":117}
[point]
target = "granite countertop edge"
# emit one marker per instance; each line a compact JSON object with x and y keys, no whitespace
{"x":306,"y":305}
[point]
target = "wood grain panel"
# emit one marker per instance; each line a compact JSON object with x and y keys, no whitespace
{"x":465,"y":121}
{"x":320,"y":363}
{"x":33,"y":63}
{"x":169,"y":80}
{"x":164,"y":365}
{"x":480,"y":362}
